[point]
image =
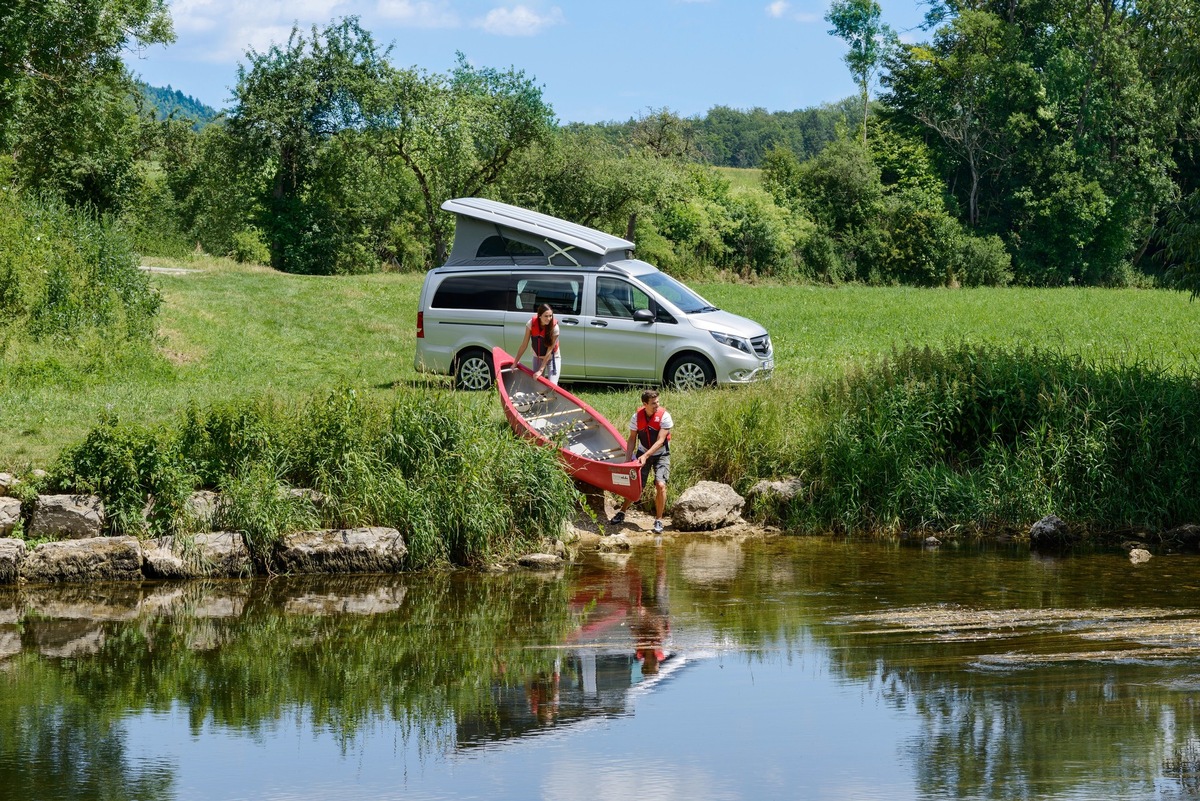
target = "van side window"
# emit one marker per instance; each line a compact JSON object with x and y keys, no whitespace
{"x":476,"y":292}
{"x":616,"y":298}
{"x":501,"y":247}
{"x":564,"y":293}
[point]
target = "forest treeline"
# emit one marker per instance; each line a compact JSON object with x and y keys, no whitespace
{"x":1044,"y":143}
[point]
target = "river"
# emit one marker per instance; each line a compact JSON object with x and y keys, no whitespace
{"x":806,"y":668}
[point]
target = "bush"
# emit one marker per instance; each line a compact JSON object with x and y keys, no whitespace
{"x":458,"y":487}
{"x":66,"y":273}
{"x":249,"y":248}
{"x":983,"y":261}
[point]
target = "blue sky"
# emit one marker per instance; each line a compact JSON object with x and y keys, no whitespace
{"x":597,"y":60}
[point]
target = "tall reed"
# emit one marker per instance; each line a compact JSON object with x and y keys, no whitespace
{"x":981,"y":436}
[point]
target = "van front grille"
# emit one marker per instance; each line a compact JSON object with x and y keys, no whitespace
{"x":762,"y":345}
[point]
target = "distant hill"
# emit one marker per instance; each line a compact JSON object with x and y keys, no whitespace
{"x":171,"y":100}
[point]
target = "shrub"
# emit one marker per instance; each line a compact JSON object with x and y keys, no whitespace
{"x":983,"y":261}
{"x":249,"y":247}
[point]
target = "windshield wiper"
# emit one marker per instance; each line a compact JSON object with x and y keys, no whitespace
{"x":706,"y":309}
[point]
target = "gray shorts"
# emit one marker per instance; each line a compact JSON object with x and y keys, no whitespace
{"x":661,"y":466}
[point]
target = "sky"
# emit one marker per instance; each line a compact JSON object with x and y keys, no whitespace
{"x":596,"y":60}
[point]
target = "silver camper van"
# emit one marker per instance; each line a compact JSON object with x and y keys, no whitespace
{"x":620,"y":319}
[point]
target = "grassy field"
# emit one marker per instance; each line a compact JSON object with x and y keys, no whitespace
{"x":741,"y":177}
{"x":228,"y":331}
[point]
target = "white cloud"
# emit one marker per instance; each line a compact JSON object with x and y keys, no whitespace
{"x":220,"y":31}
{"x":781,"y":9}
{"x":518,"y":21}
{"x":420,"y":14}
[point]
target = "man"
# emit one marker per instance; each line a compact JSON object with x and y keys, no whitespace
{"x":650,"y":433}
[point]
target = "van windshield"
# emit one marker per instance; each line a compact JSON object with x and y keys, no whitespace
{"x":685,"y":299}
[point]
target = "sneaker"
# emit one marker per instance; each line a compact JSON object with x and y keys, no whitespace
{"x":618,"y":518}
{"x":658,"y":527}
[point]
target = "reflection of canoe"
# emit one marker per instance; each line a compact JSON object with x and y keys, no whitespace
{"x":590,"y":446}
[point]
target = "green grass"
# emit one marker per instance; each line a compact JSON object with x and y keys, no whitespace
{"x":228,"y":331}
{"x":741,"y":177}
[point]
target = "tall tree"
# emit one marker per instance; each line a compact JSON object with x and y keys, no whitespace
{"x":65,"y":109}
{"x":860,"y":24}
{"x":456,"y":133}
{"x":293,"y":102}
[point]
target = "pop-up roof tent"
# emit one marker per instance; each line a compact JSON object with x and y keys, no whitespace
{"x":488,"y":232}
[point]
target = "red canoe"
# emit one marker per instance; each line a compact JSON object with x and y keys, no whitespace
{"x":591,"y":447}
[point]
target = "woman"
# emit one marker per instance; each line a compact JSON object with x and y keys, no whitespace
{"x":542,"y":331}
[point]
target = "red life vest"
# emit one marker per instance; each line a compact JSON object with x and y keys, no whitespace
{"x":537,"y":336}
{"x":648,"y":428}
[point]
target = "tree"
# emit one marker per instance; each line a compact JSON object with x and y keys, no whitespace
{"x":294,"y":102}
{"x":457,"y":133}
{"x":859,"y":23}
{"x":65,"y":109}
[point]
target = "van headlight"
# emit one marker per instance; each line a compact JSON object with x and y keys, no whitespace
{"x":734,"y":342}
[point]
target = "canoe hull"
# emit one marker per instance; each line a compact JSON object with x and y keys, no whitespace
{"x":589,"y":446}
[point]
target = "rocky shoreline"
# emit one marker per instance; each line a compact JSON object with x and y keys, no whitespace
{"x":78,"y":552}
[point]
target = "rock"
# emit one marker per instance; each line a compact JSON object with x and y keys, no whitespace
{"x":221,"y":554}
{"x":201,"y":509}
{"x":67,"y":517}
{"x":7,"y":481}
{"x":1050,"y":530}
{"x":781,"y":490}
{"x":706,"y":506}
{"x":12,"y":554}
{"x":616,"y":542}
{"x":317,"y":499}
{"x":1139,"y":556}
{"x":932,"y":542}
{"x":540,"y":561}
{"x":10,"y":515}
{"x":1187,"y":534}
{"x":353,"y":550}
{"x":91,"y":559}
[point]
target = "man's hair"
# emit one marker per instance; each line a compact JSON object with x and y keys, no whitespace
{"x":649,"y":395}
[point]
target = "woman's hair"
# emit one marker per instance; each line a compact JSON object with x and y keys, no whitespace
{"x":543,"y":308}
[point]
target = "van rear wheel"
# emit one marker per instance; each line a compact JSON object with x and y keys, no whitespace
{"x":473,"y":371}
{"x":690,"y":372}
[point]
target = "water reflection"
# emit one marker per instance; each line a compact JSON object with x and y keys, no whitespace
{"x":897,"y":672}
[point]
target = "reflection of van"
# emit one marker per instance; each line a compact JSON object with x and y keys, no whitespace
{"x":621,"y":320}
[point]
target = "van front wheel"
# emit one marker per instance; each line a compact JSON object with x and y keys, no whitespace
{"x":473,"y":371}
{"x":690,"y":372}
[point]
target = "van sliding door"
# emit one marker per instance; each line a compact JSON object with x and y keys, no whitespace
{"x":618,"y":347}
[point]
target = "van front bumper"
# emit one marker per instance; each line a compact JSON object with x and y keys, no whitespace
{"x":748,"y":375}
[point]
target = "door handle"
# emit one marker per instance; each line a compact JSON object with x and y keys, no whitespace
{"x":600,"y":323}
{"x":569,"y":321}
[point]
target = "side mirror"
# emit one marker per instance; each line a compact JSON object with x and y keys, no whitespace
{"x":643,"y":316}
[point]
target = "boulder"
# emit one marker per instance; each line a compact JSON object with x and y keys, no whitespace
{"x":1050,"y":530}
{"x":540,"y":561}
{"x":613,"y":543}
{"x":1139,"y":556}
{"x":706,"y":506}
{"x":10,"y":514}
{"x":67,"y":517}
{"x":202,"y":509}
{"x":781,"y":490}
{"x":353,"y":550}
{"x":7,"y":480}
{"x":221,"y":554}
{"x":12,"y":554}
{"x":1188,"y":534}
{"x":91,"y":559}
